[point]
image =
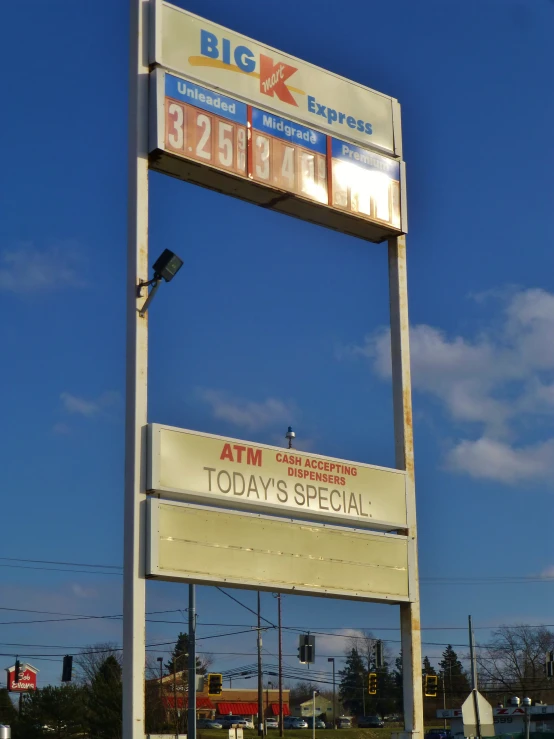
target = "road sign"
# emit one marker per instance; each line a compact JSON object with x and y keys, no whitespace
{"x":228,"y":472}
{"x":477,"y":710}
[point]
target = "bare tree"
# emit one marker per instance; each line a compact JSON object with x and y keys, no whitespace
{"x":514,"y":660}
{"x":92,"y":657}
{"x":365,"y":646}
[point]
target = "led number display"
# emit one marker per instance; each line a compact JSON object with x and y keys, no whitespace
{"x":205,"y":126}
{"x":289,"y":156}
{"x":249,"y":150}
{"x":365,"y":183}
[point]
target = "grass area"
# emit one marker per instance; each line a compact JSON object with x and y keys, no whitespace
{"x":384,"y":733}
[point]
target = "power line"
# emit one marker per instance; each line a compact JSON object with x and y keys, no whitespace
{"x":69,"y":564}
{"x":429,"y":580}
{"x":245,"y":606}
{"x":57,"y":569}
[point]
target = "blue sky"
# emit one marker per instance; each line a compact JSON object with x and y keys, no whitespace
{"x":274,"y":322}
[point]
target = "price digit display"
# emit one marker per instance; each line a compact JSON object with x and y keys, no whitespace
{"x":205,"y":126}
{"x":365,"y":183}
{"x":289,"y":156}
{"x":212,"y":129}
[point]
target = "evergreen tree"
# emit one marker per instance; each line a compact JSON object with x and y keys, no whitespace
{"x":52,"y":711}
{"x":178,"y":660}
{"x":398,"y":677}
{"x":104,"y":702}
{"x":456,"y":682}
{"x":8,"y":714}
{"x":428,"y":669}
{"x":353,"y":684}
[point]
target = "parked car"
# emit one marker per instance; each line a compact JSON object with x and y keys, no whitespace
{"x":439,"y":734}
{"x":319,"y":723}
{"x":295,"y":722}
{"x":228,"y":721}
{"x":344,"y":722}
{"x":208,"y":723}
{"x":271,"y":723}
{"x":370,"y":722}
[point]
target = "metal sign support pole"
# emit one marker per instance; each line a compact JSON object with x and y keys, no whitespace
{"x":403,"y":435}
{"x":134,"y":583}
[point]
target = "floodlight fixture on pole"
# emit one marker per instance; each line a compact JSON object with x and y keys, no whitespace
{"x":290,"y":435}
{"x":165,"y":268}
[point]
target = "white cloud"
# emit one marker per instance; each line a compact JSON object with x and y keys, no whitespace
{"x":83,"y":592}
{"x":494,"y":460}
{"x":246,"y":413}
{"x":495,"y":381}
{"x":25,"y":269}
{"x":88,"y":408}
{"x":337,"y":643}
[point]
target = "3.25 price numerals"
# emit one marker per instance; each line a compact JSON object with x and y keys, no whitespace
{"x":205,"y":137}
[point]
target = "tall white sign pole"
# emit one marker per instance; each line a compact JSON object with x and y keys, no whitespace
{"x":404,"y":452}
{"x":134,"y":583}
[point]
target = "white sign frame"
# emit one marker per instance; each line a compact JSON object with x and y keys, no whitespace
{"x":295,"y":531}
{"x":155,"y":483}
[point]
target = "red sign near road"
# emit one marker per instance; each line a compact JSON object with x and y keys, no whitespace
{"x":27,"y":679}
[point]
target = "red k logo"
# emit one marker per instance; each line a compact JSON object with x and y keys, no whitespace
{"x":273,"y":78}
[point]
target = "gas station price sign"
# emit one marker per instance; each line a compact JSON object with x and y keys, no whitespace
{"x":204,"y":126}
{"x":199,"y":134}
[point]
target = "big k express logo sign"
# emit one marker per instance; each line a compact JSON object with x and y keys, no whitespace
{"x":206,"y":52}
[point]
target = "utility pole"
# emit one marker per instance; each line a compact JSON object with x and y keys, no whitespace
{"x":161,"y":661}
{"x":175,"y":696}
{"x":474,"y":678}
{"x":191,"y":723}
{"x":443,"y":696}
{"x":474,"y":684}
{"x":260,"y":686}
{"x":281,"y":730}
{"x":332,"y":659}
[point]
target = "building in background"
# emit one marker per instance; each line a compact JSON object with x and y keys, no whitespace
{"x":231,"y":701}
{"x":322,"y":706}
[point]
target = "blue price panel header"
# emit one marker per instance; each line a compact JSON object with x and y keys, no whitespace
{"x":200,"y":97}
{"x":294,"y":133}
{"x":364,"y":158}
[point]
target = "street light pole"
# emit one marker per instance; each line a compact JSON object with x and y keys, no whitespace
{"x":260,"y":685}
{"x":191,"y":723}
{"x":281,"y":718}
{"x":332,"y":659}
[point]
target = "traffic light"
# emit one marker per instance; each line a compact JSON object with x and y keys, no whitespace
{"x":215,"y":684}
{"x":17,"y":671}
{"x":372,"y":683}
{"x":379,"y":656}
{"x":550,"y":664}
{"x":306,"y":648}
{"x":67,"y":668}
{"x":431,"y":686}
